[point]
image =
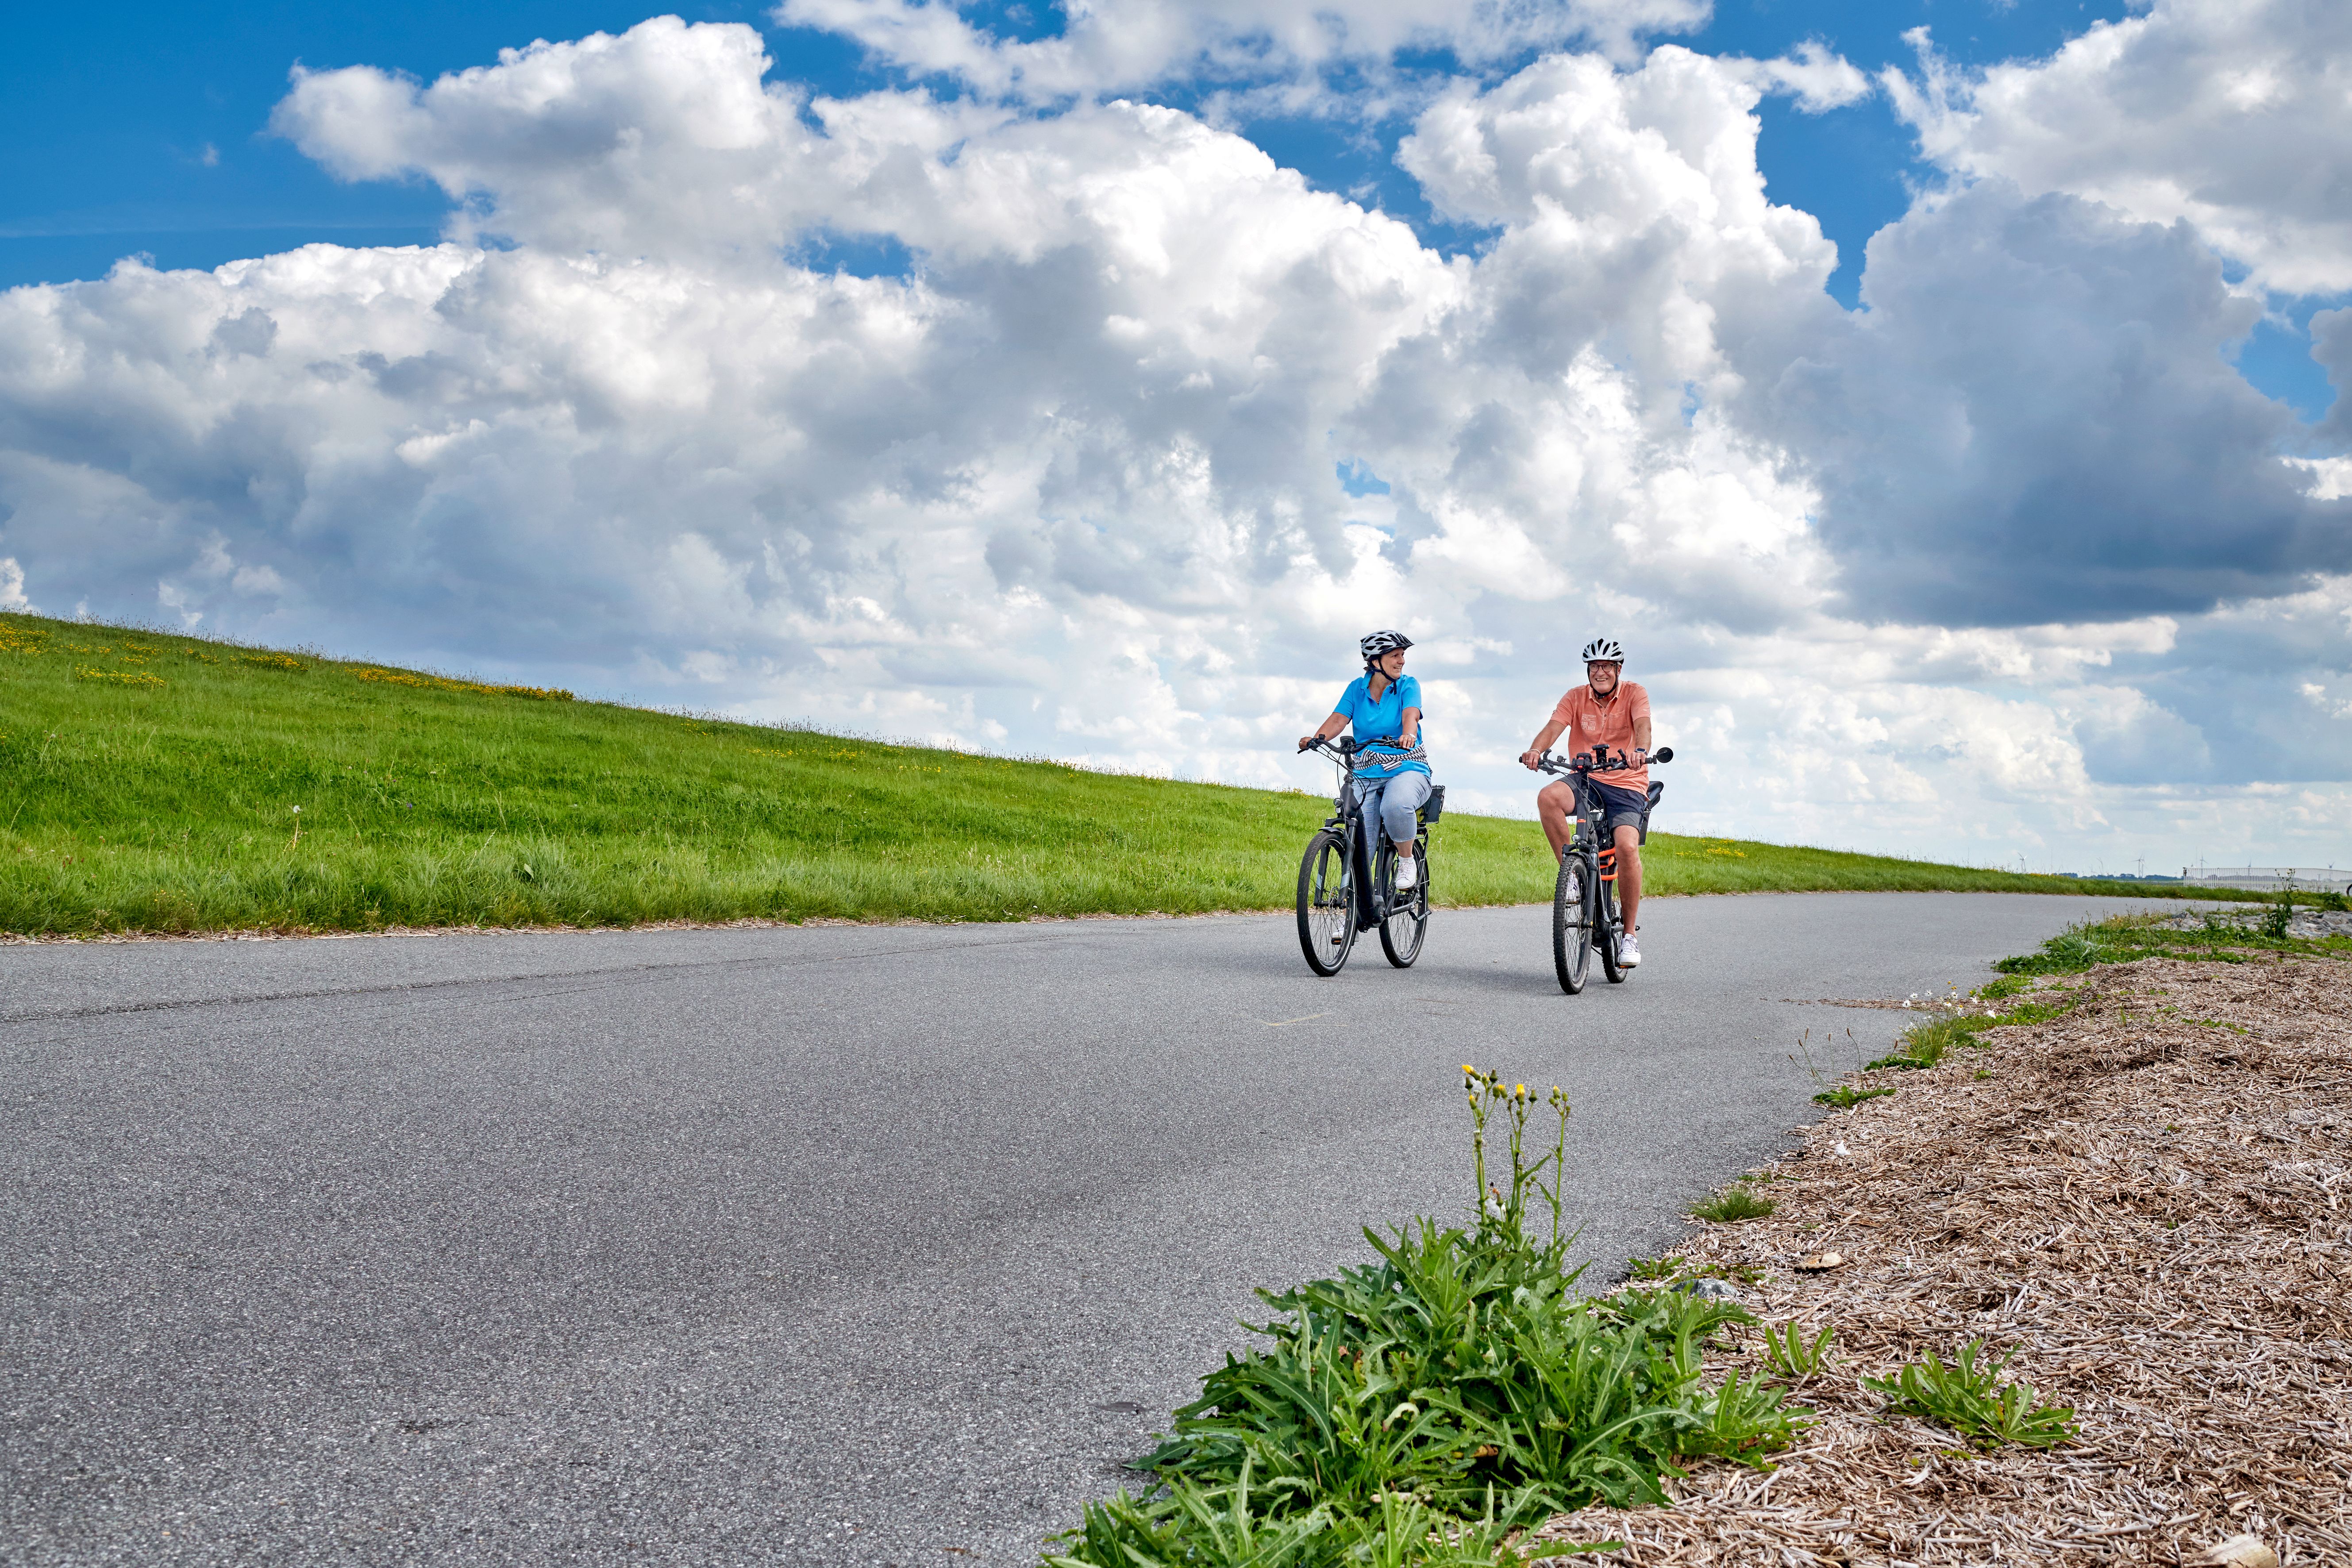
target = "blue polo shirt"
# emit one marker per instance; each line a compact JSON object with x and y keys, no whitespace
{"x":1383,"y":720}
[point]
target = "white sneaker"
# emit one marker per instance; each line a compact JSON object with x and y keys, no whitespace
{"x":1629,"y":952}
{"x":1408,"y":873}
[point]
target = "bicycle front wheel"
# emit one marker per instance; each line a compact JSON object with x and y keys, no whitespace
{"x":1571,"y":922}
{"x":1327,"y":913}
{"x":1402,"y":933}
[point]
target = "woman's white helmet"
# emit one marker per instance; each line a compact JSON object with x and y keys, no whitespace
{"x":1604,"y":647}
{"x":1381,"y":643}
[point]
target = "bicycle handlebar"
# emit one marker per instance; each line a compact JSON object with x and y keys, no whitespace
{"x":1588,"y":762}
{"x":1340,"y":744}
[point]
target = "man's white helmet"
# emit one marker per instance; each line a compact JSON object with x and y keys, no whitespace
{"x":1604,"y":647}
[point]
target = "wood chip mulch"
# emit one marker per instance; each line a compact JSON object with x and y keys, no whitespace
{"x":2149,"y":1199}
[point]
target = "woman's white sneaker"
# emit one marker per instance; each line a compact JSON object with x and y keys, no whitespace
{"x":1629,"y":952}
{"x":1408,"y":873}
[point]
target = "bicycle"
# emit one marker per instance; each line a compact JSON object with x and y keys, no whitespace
{"x":1340,"y":897}
{"x":1584,"y":912}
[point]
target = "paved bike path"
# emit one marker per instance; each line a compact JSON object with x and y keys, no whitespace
{"x":845,"y":1244}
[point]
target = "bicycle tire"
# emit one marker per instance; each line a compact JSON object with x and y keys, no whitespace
{"x":1571,"y":922}
{"x":1605,"y":917}
{"x":1402,"y":932}
{"x":1327,"y":900}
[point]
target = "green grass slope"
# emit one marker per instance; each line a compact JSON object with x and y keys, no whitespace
{"x":151,"y":783}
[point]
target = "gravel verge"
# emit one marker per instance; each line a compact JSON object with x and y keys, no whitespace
{"x":2145,"y":1199}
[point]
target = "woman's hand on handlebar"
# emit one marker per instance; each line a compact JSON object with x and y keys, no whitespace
{"x":1306,"y":742}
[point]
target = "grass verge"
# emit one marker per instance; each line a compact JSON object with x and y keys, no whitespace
{"x":160,"y":783}
{"x":2122,"y":939}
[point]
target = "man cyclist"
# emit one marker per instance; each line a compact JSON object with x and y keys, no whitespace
{"x":1604,"y":711}
{"x":1392,"y":770}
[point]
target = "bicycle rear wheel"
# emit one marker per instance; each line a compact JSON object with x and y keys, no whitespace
{"x":1327,"y":913}
{"x":1571,"y":922}
{"x":1402,"y":933}
{"x":1606,"y":931}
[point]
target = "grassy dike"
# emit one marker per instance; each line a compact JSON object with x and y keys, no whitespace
{"x":152,"y":781}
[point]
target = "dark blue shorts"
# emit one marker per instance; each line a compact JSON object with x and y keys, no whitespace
{"x":1620,"y":808}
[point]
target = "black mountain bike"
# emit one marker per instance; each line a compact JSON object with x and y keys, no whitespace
{"x":1585,"y":917}
{"x":1340,"y":894}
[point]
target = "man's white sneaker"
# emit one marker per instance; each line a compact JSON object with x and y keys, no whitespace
{"x":1629,"y":952}
{"x":1408,"y":873}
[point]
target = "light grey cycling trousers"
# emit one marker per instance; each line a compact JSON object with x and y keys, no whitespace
{"x":1393,"y":802}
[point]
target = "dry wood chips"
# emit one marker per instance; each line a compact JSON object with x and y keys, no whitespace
{"x":2147,"y":1200}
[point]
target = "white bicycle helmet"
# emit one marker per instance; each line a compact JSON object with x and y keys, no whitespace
{"x":1381,"y":643}
{"x":1604,"y":647}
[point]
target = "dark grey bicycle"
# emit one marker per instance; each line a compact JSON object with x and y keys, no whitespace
{"x":1585,"y":917}
{"x":1340,"y":894}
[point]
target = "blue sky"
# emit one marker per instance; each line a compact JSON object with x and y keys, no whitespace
{"x":164,"y":151}
{"x":110,"y":146}
{"x":997,"y":414}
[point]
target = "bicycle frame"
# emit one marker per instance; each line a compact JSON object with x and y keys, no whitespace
{"x":1600,"y":860}
{"x":1371,"y":907}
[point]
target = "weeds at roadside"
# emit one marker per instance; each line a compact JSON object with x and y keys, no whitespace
{"x":1793,"y":1356}
{"x":1830,"y":1094}
{"x":2121,"y":939}
{"x":1735,"y":1202}
{"x":2278,"y":918}
{"x":1926,"y":1044}
{"x":1845,"y":1096}
{"x":2071,"y":951}
{"x":1419,"y":1410}
{"x":1672,"y":1269}
{"x":2032,"y":1012}
{"x":1968,"y":1398}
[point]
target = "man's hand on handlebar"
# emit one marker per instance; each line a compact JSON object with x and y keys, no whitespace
{"x":1600,"y":759}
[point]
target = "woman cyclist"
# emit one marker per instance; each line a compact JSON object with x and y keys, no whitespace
{"x":1392,"y":770}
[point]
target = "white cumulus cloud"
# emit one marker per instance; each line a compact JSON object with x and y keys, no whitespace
{"x":1125,"y":44}
{"x":2233,"y":115}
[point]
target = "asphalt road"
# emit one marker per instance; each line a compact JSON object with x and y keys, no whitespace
{"x":824,"y":1245}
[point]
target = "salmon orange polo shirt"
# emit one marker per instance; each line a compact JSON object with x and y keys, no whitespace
{"x":1587,"y":723}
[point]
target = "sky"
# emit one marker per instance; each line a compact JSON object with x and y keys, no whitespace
{"x":1937,"y":396}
